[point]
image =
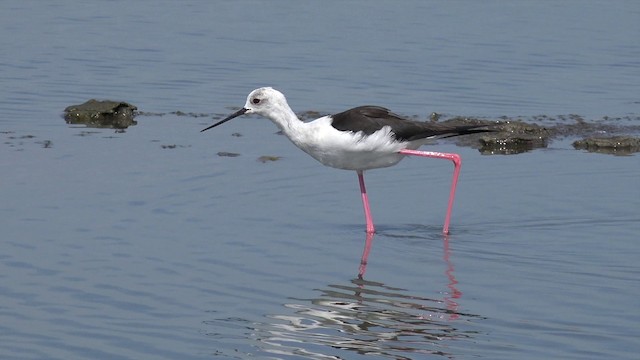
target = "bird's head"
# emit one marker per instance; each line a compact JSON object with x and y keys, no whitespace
{"x":263,"y":101}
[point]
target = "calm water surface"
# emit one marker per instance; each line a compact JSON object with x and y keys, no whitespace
{"x":147,"y":245}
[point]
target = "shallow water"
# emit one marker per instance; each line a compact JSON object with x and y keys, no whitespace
{"x":146,"y":244}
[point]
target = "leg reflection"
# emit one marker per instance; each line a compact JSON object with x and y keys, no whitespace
{"x":365,"y":255}
{"x":453,"y":292}
{"x":450,"y":297}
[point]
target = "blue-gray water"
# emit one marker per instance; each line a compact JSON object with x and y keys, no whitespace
{"x":147,"y":245}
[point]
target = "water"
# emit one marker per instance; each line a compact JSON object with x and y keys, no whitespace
{"x":146,"y":244}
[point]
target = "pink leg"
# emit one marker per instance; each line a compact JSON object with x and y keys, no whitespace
{"x":457,"y":162}
{"x":365,"y":203}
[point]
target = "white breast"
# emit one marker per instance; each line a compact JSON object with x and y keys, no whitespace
{"x":347,"y":150}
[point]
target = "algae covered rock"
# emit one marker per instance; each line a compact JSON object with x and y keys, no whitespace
{"x":617,"y":145}
{"x":102,"y":114}
{"x":515,"y":137}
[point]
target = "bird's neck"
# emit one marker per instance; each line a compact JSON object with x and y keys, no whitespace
{"x":286,"y":120}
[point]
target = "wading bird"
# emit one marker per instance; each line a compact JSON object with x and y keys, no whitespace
{"x":362,"y":138}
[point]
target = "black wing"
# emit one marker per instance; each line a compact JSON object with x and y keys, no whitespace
{"x":370,"y":119}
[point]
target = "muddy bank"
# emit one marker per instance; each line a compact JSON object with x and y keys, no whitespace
{"x":515,"y":135}
{"x":617,"y":136}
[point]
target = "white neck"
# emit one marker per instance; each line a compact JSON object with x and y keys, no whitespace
{"x":286,"y":120}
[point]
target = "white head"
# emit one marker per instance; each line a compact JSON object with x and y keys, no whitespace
{"x":265,"y":101}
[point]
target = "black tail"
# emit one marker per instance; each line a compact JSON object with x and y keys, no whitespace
{"x":468,"y":129}
{"x":440,"y":131}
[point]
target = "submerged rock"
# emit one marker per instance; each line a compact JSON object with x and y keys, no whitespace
{"x":514,"y":137}
{"x":102,"y":114}
{"x":228,"y":154}
{"x":617,"y":145}
{"x":266,"y":158}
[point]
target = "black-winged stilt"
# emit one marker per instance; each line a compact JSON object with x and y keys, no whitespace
{"x":362,"y":138}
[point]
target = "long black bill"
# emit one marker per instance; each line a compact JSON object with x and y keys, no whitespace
{"x":234,"y":115}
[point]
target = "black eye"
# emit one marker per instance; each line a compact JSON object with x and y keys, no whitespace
{"x":255,"y":100}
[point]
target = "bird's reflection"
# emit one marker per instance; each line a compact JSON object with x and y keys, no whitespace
{"x":369,"y":318}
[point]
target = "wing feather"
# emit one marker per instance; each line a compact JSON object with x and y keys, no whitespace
{"x":370,"y":119}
